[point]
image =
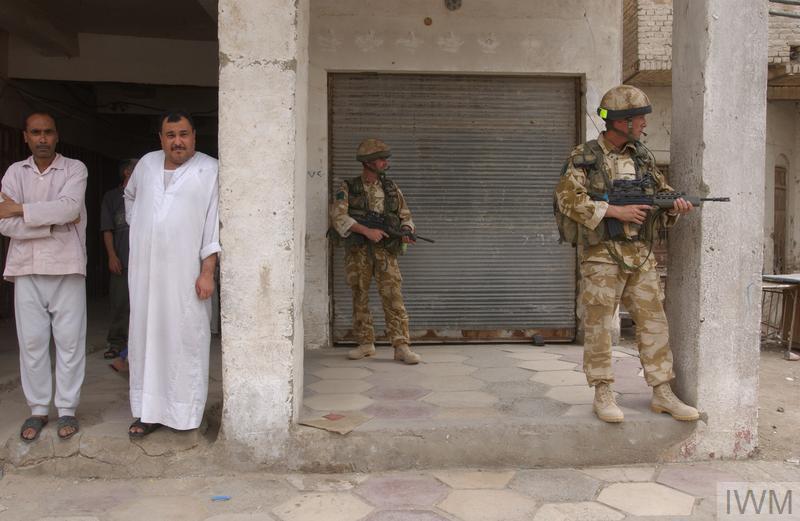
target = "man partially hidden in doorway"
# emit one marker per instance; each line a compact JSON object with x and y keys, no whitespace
{"x":171,"y":204}
{"x":43,"y":212}
{"x":115,"y":239}
{"x":370,"y":252}
{"x":619,"y":268}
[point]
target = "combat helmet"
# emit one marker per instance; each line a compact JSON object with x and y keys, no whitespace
{"x":371,"y":149}
{"x":623,"y":102}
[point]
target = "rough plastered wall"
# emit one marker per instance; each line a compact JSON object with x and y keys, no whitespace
{"x":782,"y":120}
{"x":718,"y":146}
{"x":487,"y":37}
{"x":659,"y":122}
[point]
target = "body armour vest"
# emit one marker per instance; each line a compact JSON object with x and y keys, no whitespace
{"x":599,"y":184}
{"x":358,"y":205}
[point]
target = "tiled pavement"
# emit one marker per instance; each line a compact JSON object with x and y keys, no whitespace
{"x":532,"y":403}
{"x":472,"y":383}
{"x":653,"y":492}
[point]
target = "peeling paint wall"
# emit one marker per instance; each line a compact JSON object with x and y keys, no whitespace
{"x":714,"y":283}
{"x":262,"y":95}
{"x":546,"y":37}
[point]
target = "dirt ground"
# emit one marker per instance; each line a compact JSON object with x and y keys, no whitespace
{"x":778,"y":399}
{"x":779,"y":406}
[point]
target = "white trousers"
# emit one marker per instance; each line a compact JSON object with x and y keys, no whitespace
{"x":57,"y":304}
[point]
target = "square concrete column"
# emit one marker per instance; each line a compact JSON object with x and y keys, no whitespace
{"x":719,"y":77}
{"x":263,"y":46}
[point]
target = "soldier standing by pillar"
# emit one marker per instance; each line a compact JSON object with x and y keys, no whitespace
{"x":370,"y":252}
{"x":622,"y":268}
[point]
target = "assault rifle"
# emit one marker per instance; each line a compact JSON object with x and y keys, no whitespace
{"x":628,"y":192}
{"x":378,"y":221}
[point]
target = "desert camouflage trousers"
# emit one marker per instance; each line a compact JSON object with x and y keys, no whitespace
{"x":603,"y":286}
{"x":361,"y":263}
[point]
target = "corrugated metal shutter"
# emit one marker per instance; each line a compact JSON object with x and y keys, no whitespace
{"x":477,"y":158}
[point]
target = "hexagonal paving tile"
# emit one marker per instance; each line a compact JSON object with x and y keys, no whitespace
{"x":501,"y":374}
{"x":446,"y":369}
{"x":536,"y":408}
{"x":402,"y":491}
{"x":464,"y":414}
{"x":572,"y":394}
{"x":461,"y":399}
{"x":621,"y":474}
{"x":452,"y":383}
{"x":647,"y":499}
{"x":491,"y":360}
{"x":555,"y":378}
{"x":261,"y":516}
{"x":342,"y":373}
{"x":489,"y":505}
{"x":533,"y":355}
{"x":337,"y":402}
{"x":511,"y":390}
{"x":401,"y":410}
{"x":555,"y":485}
{"x":588,"y":510}
{"x":323,"y":505}
{"x":440,"y":358}
{"x":631,"y":385}
{"x":474,"y":479}
{"x":344,"y":362}
{"x":325,"y":482}
{"x":547,"y":365}
{"x":580,"y":411}
{"x":397,"y":392}
{"x":696,"y":480}
{"x":340,"y":386}
{"x":405,"y":515}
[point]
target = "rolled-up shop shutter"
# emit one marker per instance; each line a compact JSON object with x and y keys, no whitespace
{"x":477,"y":158}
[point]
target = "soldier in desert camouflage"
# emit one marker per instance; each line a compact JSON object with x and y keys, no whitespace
{"x":619,"y":270}
{"x":370,"y":252}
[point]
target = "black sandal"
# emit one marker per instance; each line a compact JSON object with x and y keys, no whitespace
{"x":147,"y":428}
{"x":36,"y":423}
{"x":67,"y":421}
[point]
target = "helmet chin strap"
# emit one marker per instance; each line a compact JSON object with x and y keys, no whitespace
{"x":629,"y":134}
{"x":380,"y":173}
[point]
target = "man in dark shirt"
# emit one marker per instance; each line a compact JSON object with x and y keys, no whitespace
{"x":115,"y":238}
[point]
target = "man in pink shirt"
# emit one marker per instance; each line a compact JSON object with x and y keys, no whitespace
{"x":42,"y":211}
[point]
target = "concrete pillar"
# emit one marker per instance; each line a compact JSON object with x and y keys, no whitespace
{"x":263,"y":49}
{"x":715,"y":255}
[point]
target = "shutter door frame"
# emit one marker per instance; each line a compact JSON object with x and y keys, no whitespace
{"x":501,"y":127}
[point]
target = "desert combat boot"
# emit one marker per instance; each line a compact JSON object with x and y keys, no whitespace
{"x":361,"y":351}
{"x":605,"y":406}
{"x":405,"y":354}
{"x":664,"y":400}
